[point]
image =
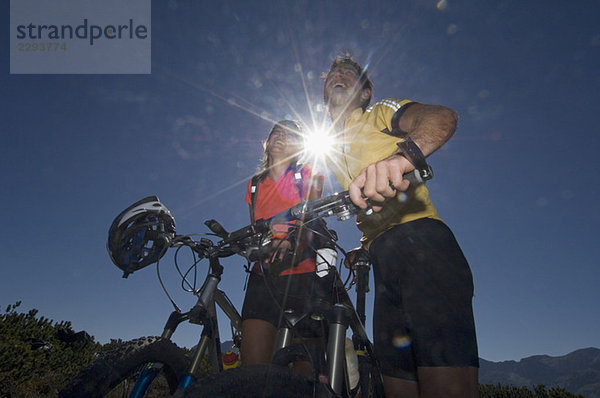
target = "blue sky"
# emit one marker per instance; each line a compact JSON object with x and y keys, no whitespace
{"x":517,"y":184}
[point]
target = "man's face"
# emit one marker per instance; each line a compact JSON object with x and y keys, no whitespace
{"x":341,"y":87}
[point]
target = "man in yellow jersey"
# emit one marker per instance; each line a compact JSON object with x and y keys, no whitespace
{"x":423,"y":326}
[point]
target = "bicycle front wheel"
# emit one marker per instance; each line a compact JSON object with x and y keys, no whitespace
{"x":267,"y":381}
{"x":116,"y":372}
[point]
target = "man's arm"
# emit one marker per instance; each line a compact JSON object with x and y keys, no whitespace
{"x":429,"y":126}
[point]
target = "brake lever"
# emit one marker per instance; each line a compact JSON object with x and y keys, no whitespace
{"x":201,"y":247}
{"x":181,"y":240}
{"x":217,"y":228}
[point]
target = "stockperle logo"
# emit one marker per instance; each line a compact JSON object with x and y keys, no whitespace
{"x":75,"y":36}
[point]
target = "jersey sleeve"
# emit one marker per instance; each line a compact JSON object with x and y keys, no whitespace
{"x":388,"y":107}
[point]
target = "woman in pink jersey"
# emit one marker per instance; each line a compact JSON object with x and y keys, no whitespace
{"x":286,"y":278}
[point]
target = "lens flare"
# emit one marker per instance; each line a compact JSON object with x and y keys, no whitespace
{"x":401,"y":341}
{"x":318,"y":143}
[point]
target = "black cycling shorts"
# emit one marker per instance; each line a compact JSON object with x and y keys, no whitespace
{"x":423,"y":300}
{"x":266,"y":297}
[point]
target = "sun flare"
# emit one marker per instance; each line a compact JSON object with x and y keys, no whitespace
{"x":319,"y":143}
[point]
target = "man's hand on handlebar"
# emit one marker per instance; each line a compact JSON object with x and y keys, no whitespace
{"x":380,"y":181}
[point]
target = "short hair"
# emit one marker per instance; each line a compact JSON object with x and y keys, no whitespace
{"x":363,"y":78}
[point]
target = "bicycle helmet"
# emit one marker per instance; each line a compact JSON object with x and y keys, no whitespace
{"x":140,"y":235}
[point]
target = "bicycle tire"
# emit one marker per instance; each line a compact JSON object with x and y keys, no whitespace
{"x":265,"y":381}
{"x":122,"y":364}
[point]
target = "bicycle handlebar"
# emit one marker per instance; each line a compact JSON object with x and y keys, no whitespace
{"x":338,"y":204}
{"x":240,"y":241}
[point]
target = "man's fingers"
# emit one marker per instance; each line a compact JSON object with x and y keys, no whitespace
{"x":376,"y":208}
{"x":404,"y":184}
{"x":355,"y":190}
{"x":394,"y":171}
{"x":378,"y":182}
{"x":383,"y":186}
{"x":373,"y":184}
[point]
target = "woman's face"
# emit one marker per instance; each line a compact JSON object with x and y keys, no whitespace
{"x":283,"y":142}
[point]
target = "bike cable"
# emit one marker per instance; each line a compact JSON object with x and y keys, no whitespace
{"x":184,"y":281}
{"x":165,"y":289}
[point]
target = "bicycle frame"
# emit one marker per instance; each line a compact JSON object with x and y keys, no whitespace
{"x":203,"y":313}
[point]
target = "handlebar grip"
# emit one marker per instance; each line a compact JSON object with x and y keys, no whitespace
{"x":419,"y":176}
{"x":260,"y":226}
{"x":414,"y":177}
{"x":217,"y":228}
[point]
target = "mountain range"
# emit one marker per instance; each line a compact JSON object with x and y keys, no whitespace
{"x":577,"y":372}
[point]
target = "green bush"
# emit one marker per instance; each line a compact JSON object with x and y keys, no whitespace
{"x":35,"y":359}
{"x":499,"y":391}
{"x":34,"y":362}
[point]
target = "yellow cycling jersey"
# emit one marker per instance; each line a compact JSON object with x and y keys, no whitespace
{"x":363,"y":142}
